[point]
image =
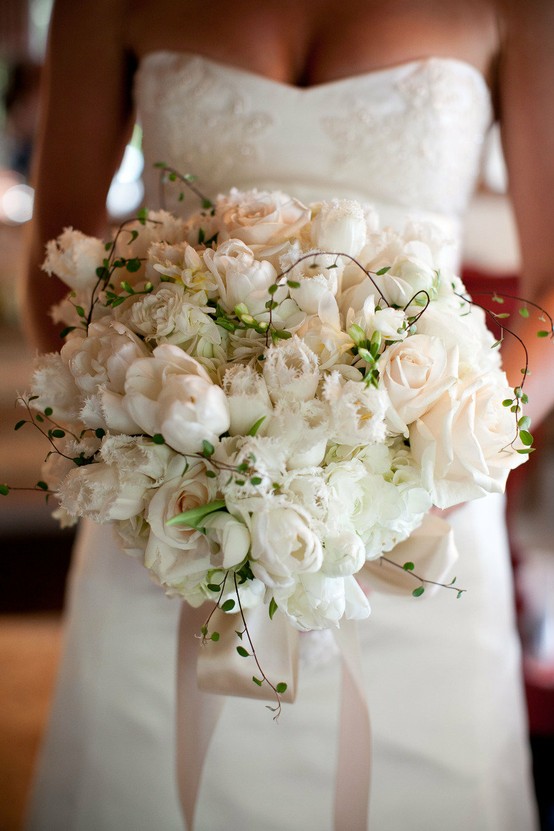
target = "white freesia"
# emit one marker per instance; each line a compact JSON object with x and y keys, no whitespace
{"x":170,"y":393}
{"x":182,"y":263}
{"x":464,"y":443}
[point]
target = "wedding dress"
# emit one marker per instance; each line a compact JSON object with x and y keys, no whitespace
{"x":443,"y":675}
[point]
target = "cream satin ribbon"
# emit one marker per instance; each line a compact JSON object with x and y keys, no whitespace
{"x":217,"y":668}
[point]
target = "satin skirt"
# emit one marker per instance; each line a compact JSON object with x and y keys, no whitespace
{"x":443,"y":685}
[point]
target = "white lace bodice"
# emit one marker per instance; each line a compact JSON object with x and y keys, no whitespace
{"x":407,"y":138}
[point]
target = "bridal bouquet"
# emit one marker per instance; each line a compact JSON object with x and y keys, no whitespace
{"x":265,"y":396}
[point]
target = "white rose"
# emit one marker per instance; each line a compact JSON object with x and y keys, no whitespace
{"x":103,"y":357}
{"x":74,"y":258}
{"x":242,"y":279}
{"x":247,"y":397}
{"x":462,"y":326}
{"x":340,"y":226}
{"x":260,"y":218}
{"x":172,"y":394}
{"x":463,"y":443}
{"x":284,"y":544}
{"x":291,"y":370}
{"x":415,"y":373}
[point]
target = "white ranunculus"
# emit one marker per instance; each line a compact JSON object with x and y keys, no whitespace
{"x":54,"y":386}
{"x":99,"y":491}
{"x":463,"y":444}
{"x":74,"y":258}
{"x":247,"y":397}
{"x":172,"y":394}
{"x":229,"y":537}
{"x":260,"y":218}
{"x":340,"y":226}
{"x":291,"y":370}
{"x":103,"y":357}
{"x":415,"y":373}
{"x":284,"y":544}
{"x":358,"y":411}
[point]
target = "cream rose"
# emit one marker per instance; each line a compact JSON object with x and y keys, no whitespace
{"x":284,"y":544}
{"x":463,"y":444}
{"x":415,"y":373}
{"x":260,"y":218}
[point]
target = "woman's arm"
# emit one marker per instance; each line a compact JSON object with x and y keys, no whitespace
{"x":527,"y":118}
{"x":86,"y":117}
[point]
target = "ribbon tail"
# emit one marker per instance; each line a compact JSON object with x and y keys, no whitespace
{"x":354,"y":753}
{"x":197,"y":713}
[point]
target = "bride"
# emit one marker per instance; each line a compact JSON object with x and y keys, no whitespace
{"x":386,"y":102}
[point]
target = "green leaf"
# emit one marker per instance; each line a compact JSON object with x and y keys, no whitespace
{"x":273,"y":288}
{"x":211,"y":474}
{"x":293,"y":284}
{"x":272,"y":608}
{"x":256,"y":480}
{"x":383,"y":271}
{"x":525,"y":450}
{"x":524,"y":311}
{"x":65,"y":332}
{"x":256,"y":426}
{"x":228,"y":605}
{"x":257,"y":681}
{"x":507,"y":402}
{"x":244,"y":653}
{"x":502,"y":315}
{"x":213,"y":587}
{"x":524,"y":423}
{"x":207,"y":449}
{"x":41,"y":486}
{"x":99,"y":432}
{"x":194,"y":517}
{"x":214,"y":636}
{"x":418,"y":592}
{"x":4,"y":490}
{"x":524,"y":398}
{"x":80,"y":311}
{"x":48,"y":411}
{"x":543,"y":334}
{"x":20,"y":424}
{"x":281,"y":687}
{"x":408,"y":566}
{"x":459,"y":594}
{"x":157,"y":438}
{"x":58,"y":434}
{"x":526,"y":438}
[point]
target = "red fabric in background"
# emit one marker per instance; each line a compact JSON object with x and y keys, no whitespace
{"x":481,"y":286}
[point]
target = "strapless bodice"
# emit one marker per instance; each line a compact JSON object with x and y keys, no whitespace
{"x":407,"y":138}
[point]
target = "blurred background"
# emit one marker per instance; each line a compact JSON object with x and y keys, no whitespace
{"x":35,"y":554}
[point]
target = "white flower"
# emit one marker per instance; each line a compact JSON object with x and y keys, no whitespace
{"x":463,"y":443}
{"x":284,"y":544}
{"x":291,"y":370}
{"x":249,"y":466}
{"x":247,"y":397}
{"x":344,"y":553}
{"x":241,"y":278}
{"x":319,"y":602}
{"x":415,"y":373}
{"x":182,"y":263}
{"x":172,"y":394}
{"x":462,"y":326}
{"x":340,"y":226}
{"x":324,"y":335}
{"x":74,"y":258}
{"x":136,"y":454}
{"x":303,"y":427}
{"x":260,"y":218}
{"x":229,"y":537}
{"x":54,"y":386}
{"x":102,"y":358}
{"x":99,"y":491}
{"x":389,"y":322}
{"x":358,"y":411}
